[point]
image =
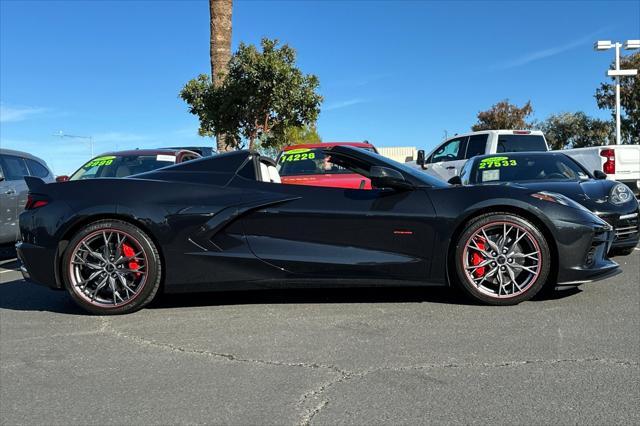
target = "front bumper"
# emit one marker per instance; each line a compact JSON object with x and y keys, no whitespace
{"x":626,"y":227}
{"x":583,"y":254}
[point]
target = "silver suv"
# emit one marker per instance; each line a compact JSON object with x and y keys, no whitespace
{"x":14,"y":166}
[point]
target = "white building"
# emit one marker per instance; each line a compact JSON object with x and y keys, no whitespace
{"x":401,"y":154}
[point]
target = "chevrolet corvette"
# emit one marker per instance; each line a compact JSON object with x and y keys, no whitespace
{"x":228,"y":223}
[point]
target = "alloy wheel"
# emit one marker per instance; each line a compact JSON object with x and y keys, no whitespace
{"x":108,"y":268}
{"x":502,"y":259}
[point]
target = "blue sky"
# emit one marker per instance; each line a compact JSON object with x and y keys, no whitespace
{"x":396,"y":73}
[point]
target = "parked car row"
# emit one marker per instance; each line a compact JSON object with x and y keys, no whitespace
{"x":619,"y":162}
{"x":503,"y":226}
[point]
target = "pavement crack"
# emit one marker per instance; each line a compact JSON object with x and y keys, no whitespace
{"x":514,"y":363}
{"x":107,"y":327}
{"x":310,"y":400}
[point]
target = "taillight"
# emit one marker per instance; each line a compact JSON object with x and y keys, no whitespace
{"x":522,"y":132}
{"x":609,"y":166}
{"x":35,"y":202}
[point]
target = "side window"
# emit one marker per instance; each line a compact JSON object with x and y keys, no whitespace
{"x":14,"y":167}
{"x":465,"y":172}
{"x":450,"y":151}
{"x":477,"y":145}
{"x":36,"y":168}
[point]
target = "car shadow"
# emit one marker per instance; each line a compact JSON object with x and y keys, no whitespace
{"x":7,"y":252}
{"x":314,"y":296}
{"x":19,"y":295}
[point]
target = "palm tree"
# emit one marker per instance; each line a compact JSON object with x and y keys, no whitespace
{"x":220,"y":47}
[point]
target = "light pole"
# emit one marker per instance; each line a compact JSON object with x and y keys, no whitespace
{"x":617,"y":72}
{"x":61,"y":134}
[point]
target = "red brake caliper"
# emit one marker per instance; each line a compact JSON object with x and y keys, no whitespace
{"x":128,"y":251}
{"x":477,"y":258}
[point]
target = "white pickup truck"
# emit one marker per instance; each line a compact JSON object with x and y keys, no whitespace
{"x":445,"y":161}
{"x":619,"y":162}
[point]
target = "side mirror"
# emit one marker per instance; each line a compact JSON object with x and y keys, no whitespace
{"x":420,"y":160}
{"x":384,"y":177}
{"x":455,"y":181}
{"x":62,"y":178}
{"x":599,"y":174}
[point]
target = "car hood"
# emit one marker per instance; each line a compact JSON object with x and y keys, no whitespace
{"x":594,"y":190}
{"x":592,"y":193}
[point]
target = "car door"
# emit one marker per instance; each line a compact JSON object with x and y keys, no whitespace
{"x":324,"y":232}
{"x":13,"y":195}
{"x":447,"y":160}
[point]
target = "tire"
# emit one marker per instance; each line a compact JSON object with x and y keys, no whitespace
{"x":517,"y":251}
{"x":119,"y":280}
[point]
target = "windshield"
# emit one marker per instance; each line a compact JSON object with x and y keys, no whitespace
{"x":308,"y":161}
{"x":414,"y":173}
{"x":518,"y":168}
{"x":121,"y":166}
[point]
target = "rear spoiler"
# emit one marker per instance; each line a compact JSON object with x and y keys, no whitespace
{"x":35,"y":184}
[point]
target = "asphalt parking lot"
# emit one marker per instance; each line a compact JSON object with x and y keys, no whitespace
{"x":298,"y":357}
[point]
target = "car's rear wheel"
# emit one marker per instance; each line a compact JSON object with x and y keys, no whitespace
{"x":111,"y":267}
{"x":502,"y":259}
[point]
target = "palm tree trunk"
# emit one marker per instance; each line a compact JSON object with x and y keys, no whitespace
{"x":220,"y":50}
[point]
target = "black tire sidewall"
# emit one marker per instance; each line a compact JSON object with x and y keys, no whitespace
{"x":154,"y":267}
{"x":473,"y":227}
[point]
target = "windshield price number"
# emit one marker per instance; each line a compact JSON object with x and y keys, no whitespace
{"x":299,"y":157}
{"x":488,"y":163}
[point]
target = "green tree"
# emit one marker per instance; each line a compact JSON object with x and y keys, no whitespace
{"x":301,"y":134}
{"x":263,"y":95}
{"x":220,"y":12}
{"x":575,"y":130}
{"x":629,"y":100}
{"x":292,"y":136}
{"x":504,"y":115}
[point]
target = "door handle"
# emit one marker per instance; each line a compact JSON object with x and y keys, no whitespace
{"x":10,"y":192}
{"x":450,"y":167}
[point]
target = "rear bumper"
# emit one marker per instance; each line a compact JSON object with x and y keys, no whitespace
{"x":37,"y":264}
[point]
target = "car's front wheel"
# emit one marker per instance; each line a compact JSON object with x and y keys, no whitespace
{"x":111,"y":267}
{"x":502,"y":259}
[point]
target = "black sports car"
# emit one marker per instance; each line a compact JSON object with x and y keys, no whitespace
{"x":556,"y":172}
{"x":226,"y":223}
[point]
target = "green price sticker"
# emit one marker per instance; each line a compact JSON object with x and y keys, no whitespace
{"x":298,"y":155}
{"x":495,"y":162}
{"x":100,"y":161}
